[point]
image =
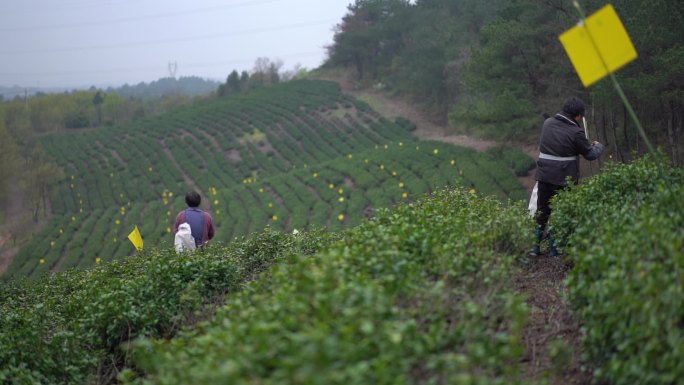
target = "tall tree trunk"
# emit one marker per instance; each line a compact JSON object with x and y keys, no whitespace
{"x":613,"y":129}
{"x":36,"y":211}
{"x":603,"y":130}
{"x":672,"y":134}
{"x":625,"y":132}
{"x":43,"y":194}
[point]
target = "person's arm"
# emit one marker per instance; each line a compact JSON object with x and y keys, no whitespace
{"x":180,"y":218}
{"x":210,"y":226}
{"x":595,"y":151}
{"x":590,"y":151}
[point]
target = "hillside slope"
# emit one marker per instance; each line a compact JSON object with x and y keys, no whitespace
{"x":290,"y":156}
{"x":427,"y":293}
{"x":427,"y":127}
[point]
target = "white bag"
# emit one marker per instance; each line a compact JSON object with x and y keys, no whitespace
{"x":184,"y":241}
{"x":532,"y":206}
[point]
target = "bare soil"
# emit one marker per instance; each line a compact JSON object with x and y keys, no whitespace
{"x":552,"y":336}
{"x":7,"y":252}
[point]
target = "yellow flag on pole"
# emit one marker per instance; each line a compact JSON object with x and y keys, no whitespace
{"x":136,"y":238}
{"x":598,"y":46}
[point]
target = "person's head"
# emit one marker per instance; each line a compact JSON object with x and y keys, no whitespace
{"x":575,"y":108}
{"x":193,"y":199}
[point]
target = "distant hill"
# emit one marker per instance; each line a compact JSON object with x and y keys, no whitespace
{"x":189,"y":85}
{"x":157,"y":89}
{"x":9,"y":93}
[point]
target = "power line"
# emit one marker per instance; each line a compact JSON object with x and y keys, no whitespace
{"x":154,"y":68}
{"x":135,"y":18}
{"x":163,"y":41}
{"x":67,"y":5}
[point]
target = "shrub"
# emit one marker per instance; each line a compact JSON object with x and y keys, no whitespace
{"x":419,"y":294}
{"x":74,"y":327}
{"x":515,"y":159}
{"x":405,"y":123}
{"x":623,"y":231}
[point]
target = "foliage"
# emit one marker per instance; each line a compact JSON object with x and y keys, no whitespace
{"x":9,"y":160}
{"x":623,"y":230}
{"x":517,"y":65}
{"x":189,"y":86}
{"x":495,"y":68}
{"x":419,"y":294}
{"x":75,"y":327}
{"x":518,"y":161}
{"x":263,"y":158}
{"x":413,"y":49}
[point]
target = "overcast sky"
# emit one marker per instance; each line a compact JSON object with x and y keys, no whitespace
{"x":71,"y":43}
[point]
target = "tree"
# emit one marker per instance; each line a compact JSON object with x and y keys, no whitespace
{"x":265,"y":73}
{"x":41,"y":175}
{"x":233,"y":82}
{"x":98,"y":99}
{"x":9,"y":159}
{"x":654,"y":82}
{"x":244,"y":80}
{"x":518,"y":65}
{"x":368,"y":37}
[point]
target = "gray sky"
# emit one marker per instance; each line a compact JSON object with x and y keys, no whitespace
{"x":70,"y":43}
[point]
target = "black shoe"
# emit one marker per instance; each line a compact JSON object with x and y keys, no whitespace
{"x":534,"y":252}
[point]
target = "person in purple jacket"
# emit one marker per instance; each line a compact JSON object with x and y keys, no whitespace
{"x":562,"y":141}
{"x":201,"y":223}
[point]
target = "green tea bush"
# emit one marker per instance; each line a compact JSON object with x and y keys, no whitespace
{"x":74,"y":327}
{"x":417,"y":295}
{"x":218,"y":145}
{"x":516,"y":160}
{"x":624,"y":232}
{"x":405,"y":123}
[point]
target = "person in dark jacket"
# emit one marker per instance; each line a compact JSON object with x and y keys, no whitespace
{"x":562,"y":141}
{"x":201,"y":223}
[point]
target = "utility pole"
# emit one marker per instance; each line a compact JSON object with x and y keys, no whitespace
{"x":173,"y":68}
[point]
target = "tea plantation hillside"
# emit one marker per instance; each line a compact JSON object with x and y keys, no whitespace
{"x":290,"y":156}
{"x":421,"y":294}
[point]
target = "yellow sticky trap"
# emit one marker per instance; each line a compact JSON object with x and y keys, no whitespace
{"x":136,"y":238}
{"x":601,"y":36}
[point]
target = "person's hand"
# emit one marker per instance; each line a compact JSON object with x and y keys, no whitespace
{"x":594,"y":143}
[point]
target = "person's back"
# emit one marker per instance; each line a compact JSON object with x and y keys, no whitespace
{"x":200,"y":222}
{"x":196,"y":218}
{"x":562,"y":142}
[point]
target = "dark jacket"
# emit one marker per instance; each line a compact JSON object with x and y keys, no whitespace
{"x":562,"y":141}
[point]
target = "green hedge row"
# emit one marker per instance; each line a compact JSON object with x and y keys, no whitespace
{"x":417,"y":295}
{"x":74,"y":327}
{"x":374,"y":178}
{"x":624,"y":232}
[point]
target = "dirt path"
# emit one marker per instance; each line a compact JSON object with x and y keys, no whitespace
{"x":425,"y":129}
{"x":552,"y":334}
{"x":7,"y":253}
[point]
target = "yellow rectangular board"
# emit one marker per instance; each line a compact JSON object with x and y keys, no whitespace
{"x":136,"y":238}
{"x":599,"y":46}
